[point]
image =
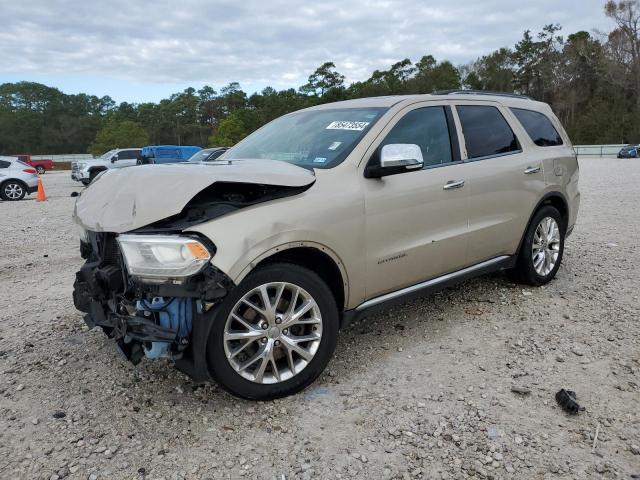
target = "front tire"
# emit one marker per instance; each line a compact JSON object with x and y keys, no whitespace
{"x":93,"y":174}
{"x":542,"y":248}
{"x":274,"y":334}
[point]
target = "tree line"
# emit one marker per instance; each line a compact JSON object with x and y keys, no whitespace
{"x":592,"y":82}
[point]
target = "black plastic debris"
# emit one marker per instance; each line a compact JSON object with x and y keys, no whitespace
{"x":567,"y":400}
{"x":75,"y":194}
{"x":59,"y":414}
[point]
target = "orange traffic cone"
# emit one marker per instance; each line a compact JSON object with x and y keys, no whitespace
{"x":41,"y":196}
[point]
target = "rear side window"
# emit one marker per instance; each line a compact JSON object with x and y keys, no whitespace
{"x":426,"y":127}
{"x":4,"y":164}
{"x":486,"y":132}
{"x":539,"y":127}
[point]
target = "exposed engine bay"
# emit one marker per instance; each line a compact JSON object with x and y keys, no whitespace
{"x":219,"y":199}
{"x":153,"y":320}
{"x":162,"y":318}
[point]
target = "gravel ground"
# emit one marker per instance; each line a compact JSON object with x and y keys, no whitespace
{"x":418,"y":391}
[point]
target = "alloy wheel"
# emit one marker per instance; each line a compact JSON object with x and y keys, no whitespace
{"x":13,"y":191}
{"x":273,"y":332}
{"x":545,"y":246}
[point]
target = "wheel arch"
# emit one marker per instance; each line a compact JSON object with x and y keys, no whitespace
{"x":555,"y":199}
{"x":316,"y":257}
{"x":15,"y":180}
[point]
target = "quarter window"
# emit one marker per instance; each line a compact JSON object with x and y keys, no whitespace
{"x":486,"y":132}
{"x":4,"y":164}
{"x":426,"y":127}
{"x":539,"y":127}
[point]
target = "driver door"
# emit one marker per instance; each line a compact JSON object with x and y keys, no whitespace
{"x":417,"y":220}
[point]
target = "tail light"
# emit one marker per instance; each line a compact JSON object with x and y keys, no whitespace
{"x":29,"y":170}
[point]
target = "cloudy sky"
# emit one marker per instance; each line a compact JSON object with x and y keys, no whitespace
{"x":143,"y":51}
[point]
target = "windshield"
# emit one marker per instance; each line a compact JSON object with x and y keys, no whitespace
{"x":200,"y":156}
{"x":109,"y":154}
{"x":309,"y":139}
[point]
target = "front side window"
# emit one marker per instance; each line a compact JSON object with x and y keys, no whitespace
{"x":426,"y":127}
{"x":127,"y":155}
{"x":486,"y":132}
{"x":310,"y":139}
{"x":538,"y":127}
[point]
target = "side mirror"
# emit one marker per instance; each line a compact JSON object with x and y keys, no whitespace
{"x":406,"y":155}
{"x":114,"y":158}
{"x":395,"y":158}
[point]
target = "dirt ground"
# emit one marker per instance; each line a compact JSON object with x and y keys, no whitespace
{"x":422,"y":390}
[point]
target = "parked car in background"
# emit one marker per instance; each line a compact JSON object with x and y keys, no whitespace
{"x":41,"y":166}
{"x":208,"y":154}
{"x":245,"y":270}
{"x":158,"y":154}
{"x":630,"y":151}
{"x":85,"y":171}
{"x":17,"y":179}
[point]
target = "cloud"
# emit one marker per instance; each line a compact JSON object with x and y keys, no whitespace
{"x":278,"y":43}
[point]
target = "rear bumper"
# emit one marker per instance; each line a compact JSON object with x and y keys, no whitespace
{"x":32,"y":185}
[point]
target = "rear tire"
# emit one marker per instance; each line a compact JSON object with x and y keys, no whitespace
{"x":542,"y":248}
{"x":274,"y":360}
{"x":13,"y":190}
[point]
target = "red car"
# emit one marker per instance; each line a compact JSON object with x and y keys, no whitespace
{"x":41,"y":166}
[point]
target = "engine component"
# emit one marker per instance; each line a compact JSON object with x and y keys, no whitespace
{"x":172,"y":313}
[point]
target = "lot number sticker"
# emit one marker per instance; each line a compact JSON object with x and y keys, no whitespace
{"x":347,"y":126}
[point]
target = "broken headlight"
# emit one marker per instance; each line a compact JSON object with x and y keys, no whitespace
{"x":158,"y":258}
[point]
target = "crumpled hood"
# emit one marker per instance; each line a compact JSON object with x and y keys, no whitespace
{"x":125,"y":199}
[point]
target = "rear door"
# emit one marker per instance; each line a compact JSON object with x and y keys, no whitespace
{"x":504,"y":182}
{"x":416,"y":225}
{"x":126,"y":158}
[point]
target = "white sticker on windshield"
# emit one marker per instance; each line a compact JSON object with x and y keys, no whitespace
{"x":347,"y":125}
{"x":334,"y":145}
{"x":319,"y":160}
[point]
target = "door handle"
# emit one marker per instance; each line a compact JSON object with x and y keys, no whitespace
{"x":453,"y":184}
{"x":530,"y":170}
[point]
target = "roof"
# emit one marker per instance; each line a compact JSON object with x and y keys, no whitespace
{"x":469,"y":95}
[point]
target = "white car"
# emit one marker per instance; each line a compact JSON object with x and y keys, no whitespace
{"x":86,"y":171}
{"x":17,"y":179}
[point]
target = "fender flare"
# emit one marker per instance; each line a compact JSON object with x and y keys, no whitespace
{"x":544,"y":198}
{"x":249,"y":267}
{"x":97,"y":169}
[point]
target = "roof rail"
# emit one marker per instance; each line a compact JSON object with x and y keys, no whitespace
{"x":479,"y":92}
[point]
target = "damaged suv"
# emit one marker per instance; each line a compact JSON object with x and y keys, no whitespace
{"x":244,"y":269}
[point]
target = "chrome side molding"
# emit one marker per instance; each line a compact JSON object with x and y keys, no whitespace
{"x":449,"y":277}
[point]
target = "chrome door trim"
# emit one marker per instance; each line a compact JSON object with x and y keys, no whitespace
{"x":431,"y":283}
{"x":451,"y":184}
